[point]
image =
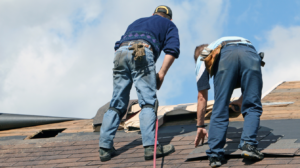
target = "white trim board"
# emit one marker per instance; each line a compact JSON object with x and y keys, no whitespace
{"x":271,"y":89}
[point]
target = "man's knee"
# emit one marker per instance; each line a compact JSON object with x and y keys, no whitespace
{"x":147,"y":109}
{"x":120,"y":114}
{"x":148,"y":106}
{"x":254,"y":111}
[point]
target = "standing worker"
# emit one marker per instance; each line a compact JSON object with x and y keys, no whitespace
{"x":134,"y":62}
{"x":234,"y":62}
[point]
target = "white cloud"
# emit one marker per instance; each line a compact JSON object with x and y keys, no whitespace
{"x":56,"y":56}
{"x":281,"y":56}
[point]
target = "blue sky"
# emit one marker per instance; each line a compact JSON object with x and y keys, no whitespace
{"x":251,"y":20}
{"x":255,"y":18}
{"x":56,"y":57}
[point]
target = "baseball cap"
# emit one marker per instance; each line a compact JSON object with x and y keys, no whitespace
{"x":164,"y":9}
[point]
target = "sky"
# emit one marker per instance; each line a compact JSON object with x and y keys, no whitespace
{"x":56,"y":57}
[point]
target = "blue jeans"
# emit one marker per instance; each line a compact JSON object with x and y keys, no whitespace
{"x":125,"y":72}
{"x":236,"y":64}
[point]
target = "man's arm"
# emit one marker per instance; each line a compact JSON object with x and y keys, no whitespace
{"x":168,"y":61}
{"x":201,"y":110}
{"x":201,"y":106}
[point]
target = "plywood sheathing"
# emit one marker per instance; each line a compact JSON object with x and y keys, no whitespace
{"x":71,"y":127}
{"x":286,"y":92}
{"x":271,"y":89}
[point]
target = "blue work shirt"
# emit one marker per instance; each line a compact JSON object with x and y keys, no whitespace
{"x":202,"y":76}
{"x":216,"y":43}
{"x":160,"y":32}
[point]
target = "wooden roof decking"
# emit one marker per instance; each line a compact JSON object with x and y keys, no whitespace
{"x":71,"y":127}
{"x":286,"y":92}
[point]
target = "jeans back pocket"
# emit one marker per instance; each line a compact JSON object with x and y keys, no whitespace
{"x":145,"y":61}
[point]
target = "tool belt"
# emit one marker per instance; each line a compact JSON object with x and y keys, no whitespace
{"x":212,"y":55}
{"x":138,"y":47}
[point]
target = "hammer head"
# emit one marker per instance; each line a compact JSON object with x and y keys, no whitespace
{"x":262,"y":55}
{"x":156,"y":107}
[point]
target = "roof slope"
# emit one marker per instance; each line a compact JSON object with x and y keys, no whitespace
{"x":80,"y":152}
{"x":77,"y":146}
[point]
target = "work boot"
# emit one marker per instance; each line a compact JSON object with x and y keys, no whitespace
{"x":250,"y":152}
{"x":215,"y":161}
{"x":160,"y":151}
{"x":106,"y":154}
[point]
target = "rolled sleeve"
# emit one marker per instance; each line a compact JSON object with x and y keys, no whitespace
{"x":117,"y":45}
{"x":172,"y":41}
{"x":203,"y":82}
{"x":202,"y":76}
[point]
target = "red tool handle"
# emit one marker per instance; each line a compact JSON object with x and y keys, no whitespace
{"x":156,"y":129}
{"x":155,"y":144}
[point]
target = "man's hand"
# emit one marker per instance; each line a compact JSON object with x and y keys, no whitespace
{"x":201,"y":110}
{"x":201,"y":133}
{"x":238,"y":103}
{"x":159,"y":80}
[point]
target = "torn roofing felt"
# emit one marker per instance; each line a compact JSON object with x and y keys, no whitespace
{"x":97,"y":120}
{"x":171,"y":110}
{"x":11,"y":121}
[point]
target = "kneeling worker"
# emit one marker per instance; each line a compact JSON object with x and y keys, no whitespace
{"x":134,"y":62}
{"x":234,"y":62}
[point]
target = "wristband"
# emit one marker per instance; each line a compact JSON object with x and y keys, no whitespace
{"x":201,"y":126}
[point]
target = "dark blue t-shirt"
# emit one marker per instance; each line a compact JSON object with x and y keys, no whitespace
{"x":160,"y":32}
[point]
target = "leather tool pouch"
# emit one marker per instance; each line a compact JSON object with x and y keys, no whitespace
{"x":138,"y":50}
{"x":210,"y":60}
